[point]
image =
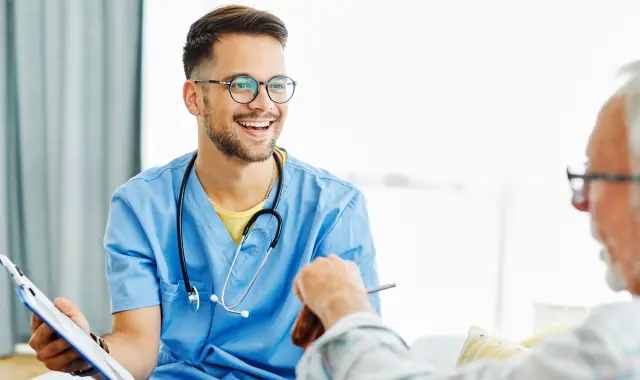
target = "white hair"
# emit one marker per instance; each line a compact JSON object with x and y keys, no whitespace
{"x":630,"y":91}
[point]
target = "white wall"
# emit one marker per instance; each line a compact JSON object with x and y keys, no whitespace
{"x":168,"y":129}
{"x":496,"y":95}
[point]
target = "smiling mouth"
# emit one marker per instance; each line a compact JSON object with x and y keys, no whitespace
{"x":256,"y":125}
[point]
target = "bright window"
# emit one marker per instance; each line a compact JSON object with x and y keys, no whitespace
{"x":481,"y":104}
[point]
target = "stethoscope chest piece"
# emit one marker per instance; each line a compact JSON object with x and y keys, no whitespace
{"x":194,"y":299}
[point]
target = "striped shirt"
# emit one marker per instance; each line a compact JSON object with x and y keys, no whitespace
{"x":605,"y":346}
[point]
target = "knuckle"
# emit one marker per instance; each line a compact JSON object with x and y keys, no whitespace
{"x":54,"y":348}
{"x":57,"y":364}
{"x":304,"y":275}
{"x":72,"y":357}
{"x":61,"y":345}
{"x":45,"y":352}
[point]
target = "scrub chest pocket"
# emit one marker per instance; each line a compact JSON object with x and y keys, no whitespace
{"x":184,"y":330}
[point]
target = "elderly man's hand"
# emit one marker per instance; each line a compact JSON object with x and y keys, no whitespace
{"x":332,"y":288}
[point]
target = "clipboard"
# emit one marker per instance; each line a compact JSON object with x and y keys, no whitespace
{"x":66,"y":329}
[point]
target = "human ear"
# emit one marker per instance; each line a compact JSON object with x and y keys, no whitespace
{"x":190,"y":97}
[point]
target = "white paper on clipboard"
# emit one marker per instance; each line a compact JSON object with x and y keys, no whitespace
{"x":42,"y":306}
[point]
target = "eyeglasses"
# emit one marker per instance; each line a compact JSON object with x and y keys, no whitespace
{"x":578,"y":176}
{"x":244,"y":89}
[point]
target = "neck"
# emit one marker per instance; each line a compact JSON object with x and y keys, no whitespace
{"x":231,"y":183}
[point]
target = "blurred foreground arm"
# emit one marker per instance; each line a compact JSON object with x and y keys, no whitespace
{"x":357,"y":345}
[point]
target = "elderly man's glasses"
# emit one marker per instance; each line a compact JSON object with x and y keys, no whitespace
{"x":244,"y":89}
{"x":578,"y":176}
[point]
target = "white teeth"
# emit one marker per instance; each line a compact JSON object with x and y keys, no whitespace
{"x":255,"y":124}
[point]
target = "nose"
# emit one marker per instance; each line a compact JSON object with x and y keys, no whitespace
{"x":580,"y":200}
{"x":262,"y":102}
{"x":580,"y":205}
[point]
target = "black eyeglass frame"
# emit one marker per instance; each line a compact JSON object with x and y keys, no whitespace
{"x":266,"y":86}
{"x":594,"y":176}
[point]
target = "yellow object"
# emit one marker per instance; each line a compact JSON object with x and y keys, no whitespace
{"x":235,"y":221}
{"x":541,"y":335}
{"x":480,"y":345}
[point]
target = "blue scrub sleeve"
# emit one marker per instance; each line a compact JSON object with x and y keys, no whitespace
{"x":351,"y":239}
{"x":130,"y":264}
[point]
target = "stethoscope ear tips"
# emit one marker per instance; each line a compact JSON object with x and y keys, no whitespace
{"x":213,"y":298}
{"x":244,"y":314}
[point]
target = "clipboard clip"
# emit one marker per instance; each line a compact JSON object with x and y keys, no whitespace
{"x":14,"y":271}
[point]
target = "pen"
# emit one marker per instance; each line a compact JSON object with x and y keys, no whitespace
{"x":380,"y":288}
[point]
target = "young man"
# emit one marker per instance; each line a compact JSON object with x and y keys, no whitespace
{"x":204,"y":317}
{"x":357,"y":345}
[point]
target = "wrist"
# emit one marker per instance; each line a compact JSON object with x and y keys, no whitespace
{"x":89,"y":370}
{"x":340,"y":306}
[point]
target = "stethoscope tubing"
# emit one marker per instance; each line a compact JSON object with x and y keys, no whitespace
{"x":192,"y":292}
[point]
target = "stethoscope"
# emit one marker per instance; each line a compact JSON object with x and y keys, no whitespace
{"x":192,"y":292}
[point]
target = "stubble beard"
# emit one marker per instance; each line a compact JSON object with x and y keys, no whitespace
{"x":228,"y":142}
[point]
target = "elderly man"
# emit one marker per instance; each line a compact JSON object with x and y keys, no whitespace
{"x":357,"y":345}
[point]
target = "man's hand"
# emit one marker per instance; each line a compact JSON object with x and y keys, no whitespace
{"x":52,"y":350}
{"x":332,"y":288}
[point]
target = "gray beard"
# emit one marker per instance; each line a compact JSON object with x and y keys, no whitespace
{"x":615,"y":281}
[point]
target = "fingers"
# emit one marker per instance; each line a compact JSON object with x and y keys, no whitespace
{"x":66,"y":361}
{"x":296,"y":288}
{"x":53,"y":352}
{"x":78,"y":364}
{"x":73,"y":312}
{"x":53,"y":349}
{"x":41,"y":337}
{"x":65,"y":306}
{"x":313,"y":268}
{"x":35,"y":323}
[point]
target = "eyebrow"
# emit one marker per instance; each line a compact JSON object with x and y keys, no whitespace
{"x":231,"y":76}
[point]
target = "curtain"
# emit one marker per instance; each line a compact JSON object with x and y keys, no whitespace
{"x":70,"y":106}
{"x":5,"y":312}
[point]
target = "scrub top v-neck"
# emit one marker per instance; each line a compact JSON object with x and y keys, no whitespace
{"x":321,"y":215}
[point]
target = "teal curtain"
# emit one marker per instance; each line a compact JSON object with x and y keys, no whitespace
{"x":70,"y":112}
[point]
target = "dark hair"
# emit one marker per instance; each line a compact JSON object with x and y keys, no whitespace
{"x":226,"y":20}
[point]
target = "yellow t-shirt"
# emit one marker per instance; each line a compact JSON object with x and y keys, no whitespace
{"x":235,"y":221}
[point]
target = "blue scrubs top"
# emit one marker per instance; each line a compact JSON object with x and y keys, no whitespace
{"x":321,"y":215}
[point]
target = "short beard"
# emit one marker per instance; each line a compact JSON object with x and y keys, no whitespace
{"x":613,"y":275}
{"x":228,"y":143}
